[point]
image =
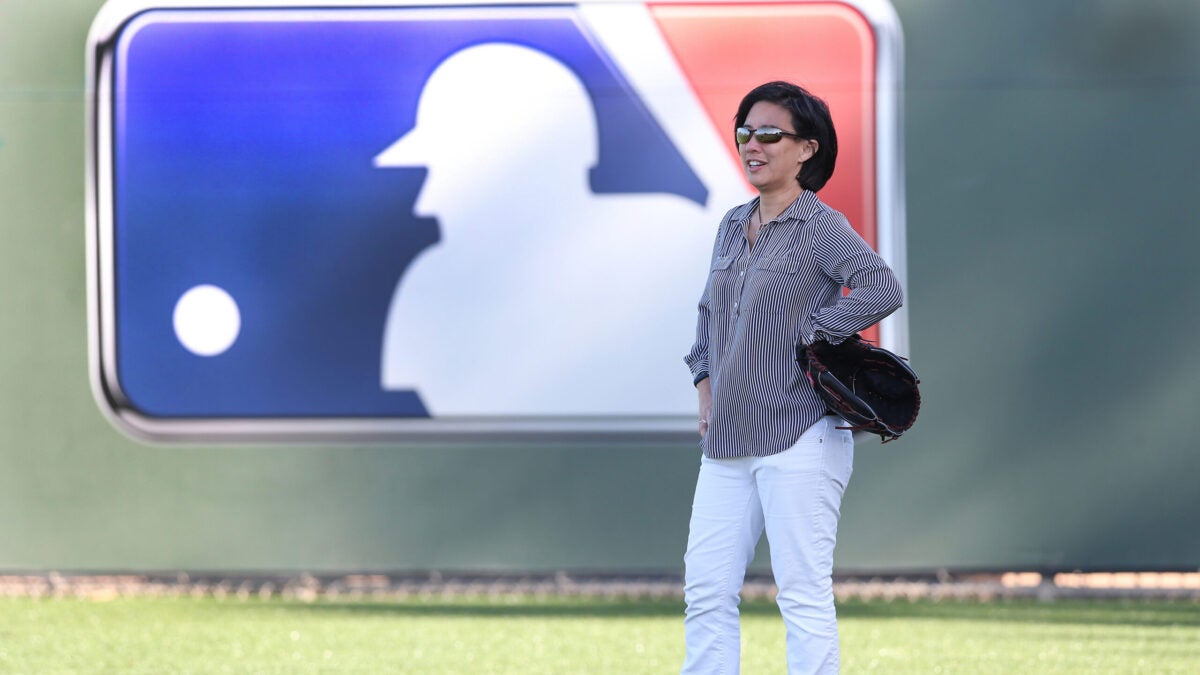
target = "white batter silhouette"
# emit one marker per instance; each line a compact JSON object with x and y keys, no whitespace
{"x":541,"y":297}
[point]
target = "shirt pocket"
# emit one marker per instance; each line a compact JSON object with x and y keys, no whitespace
{"x":721,"y":286}
{"x":721,"y":263}
{"x":782,"y":265}
{"x":775,"y":288}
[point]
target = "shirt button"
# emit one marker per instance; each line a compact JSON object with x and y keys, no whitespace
{"x":742,"y":274}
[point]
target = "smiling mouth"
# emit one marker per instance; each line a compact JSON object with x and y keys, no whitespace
{"x":755,"y":163}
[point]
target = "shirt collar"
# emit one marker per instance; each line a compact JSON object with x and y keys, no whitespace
{"x":806,"y":206}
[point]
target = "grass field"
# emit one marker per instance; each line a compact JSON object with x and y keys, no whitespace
{"x":574,"y":635}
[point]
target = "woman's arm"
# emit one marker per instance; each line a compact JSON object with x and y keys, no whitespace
{"x":704,"y":390}
{"x":697,"y":359}
{"x":846,"y":258}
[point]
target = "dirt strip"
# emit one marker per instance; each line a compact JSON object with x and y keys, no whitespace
{"x":312,"y":587}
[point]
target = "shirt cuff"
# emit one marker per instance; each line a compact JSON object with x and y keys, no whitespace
{"x":700,"y":377}
{"x":820,"y":335}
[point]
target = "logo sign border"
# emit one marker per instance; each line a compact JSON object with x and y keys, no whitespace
{"x":105,"y":32}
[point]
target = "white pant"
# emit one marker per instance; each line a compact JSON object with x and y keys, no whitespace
{"x":797,"y":496}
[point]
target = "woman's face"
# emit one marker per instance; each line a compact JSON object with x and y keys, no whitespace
{"x":772,"y":167}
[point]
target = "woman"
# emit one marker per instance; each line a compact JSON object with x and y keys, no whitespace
{"x":773,"y":457}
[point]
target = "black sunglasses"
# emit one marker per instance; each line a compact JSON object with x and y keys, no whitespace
{"x":763,"y":134}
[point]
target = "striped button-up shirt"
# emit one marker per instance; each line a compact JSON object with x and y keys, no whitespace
{"x":761,"y":302}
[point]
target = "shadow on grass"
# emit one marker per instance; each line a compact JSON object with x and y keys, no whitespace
{"x":1094,"y":612}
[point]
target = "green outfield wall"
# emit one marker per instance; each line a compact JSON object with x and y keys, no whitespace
{"x":1052,"y":176}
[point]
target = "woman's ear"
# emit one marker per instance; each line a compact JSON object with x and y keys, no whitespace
{"x":810,"y":148}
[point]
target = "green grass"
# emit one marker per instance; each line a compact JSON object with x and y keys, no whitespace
{"x":565,"y":635}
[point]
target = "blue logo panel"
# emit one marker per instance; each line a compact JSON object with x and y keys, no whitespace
{"x":256,"y":246}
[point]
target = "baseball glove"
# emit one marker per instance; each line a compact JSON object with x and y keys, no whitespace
{"x":868,"y":386}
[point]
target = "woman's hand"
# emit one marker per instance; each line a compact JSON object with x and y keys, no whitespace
{"x":704,"y":389}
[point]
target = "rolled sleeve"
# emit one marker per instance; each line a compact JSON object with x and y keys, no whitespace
{"x":697,"y":359}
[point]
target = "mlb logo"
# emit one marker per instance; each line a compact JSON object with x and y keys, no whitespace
{"x":428,"y":222}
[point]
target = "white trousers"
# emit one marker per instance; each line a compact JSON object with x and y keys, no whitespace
{"x":796,"y":495}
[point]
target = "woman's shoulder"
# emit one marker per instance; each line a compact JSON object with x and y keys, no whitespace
{"x":824,"y":216}
{"x":808,"y":207}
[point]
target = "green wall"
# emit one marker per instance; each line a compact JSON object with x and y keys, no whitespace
{"x":1051,"y":169}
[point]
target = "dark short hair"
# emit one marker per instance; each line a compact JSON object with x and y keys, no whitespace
{"x":811,"y":119}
